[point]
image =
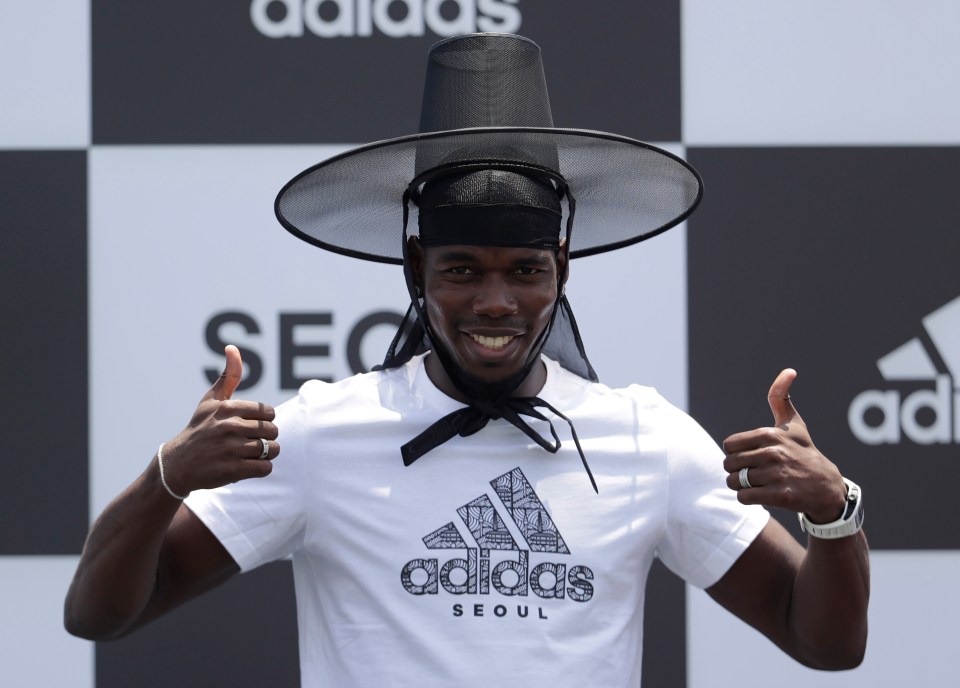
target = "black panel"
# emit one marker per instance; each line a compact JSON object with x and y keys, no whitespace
{"x":665,"y":630}
{"x":43,"y":480}
{"x":611,"y":66}
{"x":826,"y":260}
{"x":241,"y":634}
{"x":187,"y":72}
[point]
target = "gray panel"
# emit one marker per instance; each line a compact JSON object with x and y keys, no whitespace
{"x":241,"y":634}
{"x":827,"y":260}
{"x":43,"y":482}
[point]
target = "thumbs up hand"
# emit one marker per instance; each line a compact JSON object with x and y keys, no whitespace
{"x":226,"y":440}
{"x":783,"y":467}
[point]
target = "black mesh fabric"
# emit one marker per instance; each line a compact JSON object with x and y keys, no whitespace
{"x":488,"y":187}
{"x":485,"y":102}
{"x":490,"y":208}
{"x":473,"y":81}
{"x":626,"y":190}
{"x":486,"y":80}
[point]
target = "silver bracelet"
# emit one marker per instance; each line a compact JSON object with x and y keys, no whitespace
{"x":163,"y":478}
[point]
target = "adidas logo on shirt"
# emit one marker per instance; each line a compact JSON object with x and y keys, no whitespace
{"x":930,"y":415}
{"x":517,"y":523}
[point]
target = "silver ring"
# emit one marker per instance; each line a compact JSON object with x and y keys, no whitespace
{"x":266,"y":449}
{"x":744,"y":480}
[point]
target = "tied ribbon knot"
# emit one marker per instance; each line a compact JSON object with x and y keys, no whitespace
{"x":471,"y":419}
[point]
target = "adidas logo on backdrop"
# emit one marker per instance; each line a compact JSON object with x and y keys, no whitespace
{"x":930,"y":415}
{"x":393,"y":18}
{"x":520,"y":574}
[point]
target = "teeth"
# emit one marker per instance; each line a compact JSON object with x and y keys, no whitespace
{"x":491,"y":342}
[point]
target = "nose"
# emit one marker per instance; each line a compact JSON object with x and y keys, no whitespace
{"x":494,"y":298}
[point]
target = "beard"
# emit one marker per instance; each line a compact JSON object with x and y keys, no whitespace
{"x":487,"y":393}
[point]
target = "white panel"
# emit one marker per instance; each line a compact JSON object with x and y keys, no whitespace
{"x":178,"y":234}
{"x":45,"y":73}
{"x":820,"y":72}
{"x":35,"y":650}
{"x":913,"y":610}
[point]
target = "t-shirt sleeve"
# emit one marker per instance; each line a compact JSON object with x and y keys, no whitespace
{"x":259,"y":520}
{"x":707,"y":529}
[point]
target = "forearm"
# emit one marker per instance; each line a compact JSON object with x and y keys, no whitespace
{"x":118,"y":570}
{"x":828,"y":606}
{"x":147,"y":553}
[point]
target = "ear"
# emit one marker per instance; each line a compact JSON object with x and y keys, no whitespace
{"x":563,"y":262}
{"x":416,"y":258}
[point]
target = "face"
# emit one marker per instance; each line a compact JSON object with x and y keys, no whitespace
{"x":487,"y":305}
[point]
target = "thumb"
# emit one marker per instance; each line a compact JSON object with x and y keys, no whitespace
{"x":779,"y":398}
{"x":227,"y":383}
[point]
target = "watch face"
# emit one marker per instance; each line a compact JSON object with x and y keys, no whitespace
{"x":853,"y":499}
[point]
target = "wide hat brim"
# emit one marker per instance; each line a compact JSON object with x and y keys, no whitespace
{"x":625,"y":190}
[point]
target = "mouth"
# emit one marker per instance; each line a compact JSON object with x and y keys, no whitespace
{"x":492,"y":343}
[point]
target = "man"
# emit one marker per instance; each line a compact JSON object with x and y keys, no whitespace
{"x":511,"y":543}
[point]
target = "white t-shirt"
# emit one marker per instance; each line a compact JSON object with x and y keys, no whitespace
{"x":489,"y":561}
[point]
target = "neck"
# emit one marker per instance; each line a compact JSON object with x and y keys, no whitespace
{"x":529,"y":386}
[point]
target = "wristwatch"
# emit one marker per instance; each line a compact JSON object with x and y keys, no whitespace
{"x":849,"y":522}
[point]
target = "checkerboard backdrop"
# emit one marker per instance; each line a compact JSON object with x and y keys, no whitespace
{"x":141,"y":146}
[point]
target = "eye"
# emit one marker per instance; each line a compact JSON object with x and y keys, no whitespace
{"x":528,"y":271}
{"x":460,"y":270}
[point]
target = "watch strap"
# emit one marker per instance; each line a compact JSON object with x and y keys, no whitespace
{"x":849,"y":522}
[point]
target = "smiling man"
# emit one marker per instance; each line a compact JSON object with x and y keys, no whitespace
{"x":511,"y":544}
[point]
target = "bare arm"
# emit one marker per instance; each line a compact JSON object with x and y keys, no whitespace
{"x":144,"y":555}
{"x":147,"y":552}
{"x":811,"y":602}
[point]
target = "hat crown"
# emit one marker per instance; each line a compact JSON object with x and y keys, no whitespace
{"x":485,"y":80}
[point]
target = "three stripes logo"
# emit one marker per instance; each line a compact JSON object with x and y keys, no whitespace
{"x":929,"y":366}
{"x":518,"y":528}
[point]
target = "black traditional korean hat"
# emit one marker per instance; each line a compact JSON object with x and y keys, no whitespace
{"x":485,"y":104}
{"x":489,"y":168}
